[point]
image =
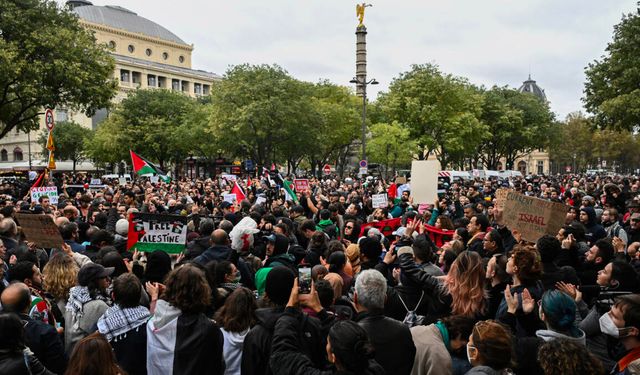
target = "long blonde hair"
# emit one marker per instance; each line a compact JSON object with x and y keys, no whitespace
{"x":465,"y":282}
{"x":60,"y":275}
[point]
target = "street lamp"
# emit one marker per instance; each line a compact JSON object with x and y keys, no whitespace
{"x":364,"y":84}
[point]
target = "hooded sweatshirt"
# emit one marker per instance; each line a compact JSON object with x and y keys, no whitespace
{"x":232,"y":351}
{"x":594,"y":230}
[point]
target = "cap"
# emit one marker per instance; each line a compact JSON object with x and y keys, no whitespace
{"x":281,"y":243}
{"x":399,"y":232}
{"x":93,"y":271}
{"x":225,"y":204}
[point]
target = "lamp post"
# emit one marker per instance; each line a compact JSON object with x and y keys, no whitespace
{"x":363,"y":83}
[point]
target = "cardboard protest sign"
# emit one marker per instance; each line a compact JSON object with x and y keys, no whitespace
{"x":95,"y":181}
{"x":49,"y":191}
{"x":379,"y":200}
{"x":401,"y":180}
{"x":424,"y":180}
{"x":301,"y":184}
{"x":501,"y":198}
{"x":533,"y":217}
{"x":157,"y":232}
{"x":231,"y":198}
{"x":40,"y":229}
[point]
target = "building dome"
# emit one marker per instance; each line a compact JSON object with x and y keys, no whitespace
{"x":530,"y":86}
{"x":121,"y":18}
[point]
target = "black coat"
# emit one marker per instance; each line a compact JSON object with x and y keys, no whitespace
{"x":16,"y":364}
{"x":392,"y":341}
{"x":257,"y":344}
{"x":131,"y":350}
{"x":286,"y":358}
{"x":45,"y":343}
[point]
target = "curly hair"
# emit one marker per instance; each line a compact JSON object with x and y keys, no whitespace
{"x":566,"y":357}
{"x":465,"y":282}
{"x":60,"y":274}
{"x":494,"y":342}
{"x":529,"y":264}
{"x":187,"y":289}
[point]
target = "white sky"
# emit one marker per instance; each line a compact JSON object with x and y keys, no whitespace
{"x":489,"y":42}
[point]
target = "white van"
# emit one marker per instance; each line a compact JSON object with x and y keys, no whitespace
{"x":507,"y":174}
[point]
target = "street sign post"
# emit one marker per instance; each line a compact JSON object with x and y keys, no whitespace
{"x":48,"y":119}
{"x":363,"y":164}
{"x":326,"y":169}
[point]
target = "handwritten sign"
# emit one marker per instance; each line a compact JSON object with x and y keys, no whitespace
{"x":95,"y":181}
{"x":157,"y":232}
{"x":501,"y":198}
{"x":379,"y":200}
{"x":40,"y":229}
{"x":301,"y":184}
{"x":231,"y":198}
{"x":229,"y":177}
{"x":532,"y":217}
{"x":47,"y":191}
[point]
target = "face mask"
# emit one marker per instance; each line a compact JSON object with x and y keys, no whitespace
{"x":469,"y":355}
{"x":608,"y":327}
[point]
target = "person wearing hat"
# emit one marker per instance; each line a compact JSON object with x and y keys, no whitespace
{"x":277,"y":255}
{"x":87,"y":302}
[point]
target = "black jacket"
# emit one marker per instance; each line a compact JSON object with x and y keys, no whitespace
{"x":257,"y":344}
{"x":16,"y":364}
{"x":45,"y":343}
{"x":286,"y":358}
{"x":131,"y":350}
{"x":392,"y":341}
{"x":434,"y":289}
{"x":196,"y":247}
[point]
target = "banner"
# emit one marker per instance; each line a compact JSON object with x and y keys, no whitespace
{"x":424,"y":180}
{"x":379,"y":200}
{"x":438,"y":236}
{"x":301,"y":184}
{"x":532,"y":217}
{"x":157,"y":232}
{"x":385,"y":226}
{"x":231,"y":198}
{"x":40,"y":229}
{"x":49,"y":191}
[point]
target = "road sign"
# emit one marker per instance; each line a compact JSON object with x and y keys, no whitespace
{"x":326,"y":169}
{"x":248,"y":165}
{"x":363,"y":164}
{"x":363,"y":171}
{"x":48,"y":119}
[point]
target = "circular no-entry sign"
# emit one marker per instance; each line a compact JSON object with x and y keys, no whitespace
{"x":326,"y":169}
{"x":363,"y":163}
{"x":48,"y":119}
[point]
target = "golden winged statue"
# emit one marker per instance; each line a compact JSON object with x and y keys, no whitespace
{"x":360,"y":12}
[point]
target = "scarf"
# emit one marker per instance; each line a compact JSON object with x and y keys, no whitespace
{"x":78,"y":296}
{"x":117,"y":321}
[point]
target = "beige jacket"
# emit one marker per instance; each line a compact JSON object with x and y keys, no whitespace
{"x":432,"y":357}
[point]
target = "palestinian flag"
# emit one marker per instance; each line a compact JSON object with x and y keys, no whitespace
{"x":40,"y":180}
{"x":288,"y":188}
{"x":143,"y":166}
{"x":237,"y":190}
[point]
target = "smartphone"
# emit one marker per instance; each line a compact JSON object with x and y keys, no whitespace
{"x":304,"y":280}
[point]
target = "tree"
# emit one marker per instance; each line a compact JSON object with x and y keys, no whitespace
{"x":146,"y":121}
{"x":612,"y":89}
{"x":390,"y":145}
{"x":69,"y":140}
{"x":258,"y":108}
{"x":572,"y":142}
{"x":47,"y":59}
{"x":518,"y":124}
{"x":440,"y":111}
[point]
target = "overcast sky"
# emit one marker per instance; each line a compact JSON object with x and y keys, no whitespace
{"x":489,"y":42}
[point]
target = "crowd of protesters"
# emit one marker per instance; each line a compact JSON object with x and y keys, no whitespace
{"x":481,"y":301}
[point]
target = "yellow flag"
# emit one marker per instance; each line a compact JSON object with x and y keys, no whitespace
{"x":50,"y":145}
{"x":52,"y":163}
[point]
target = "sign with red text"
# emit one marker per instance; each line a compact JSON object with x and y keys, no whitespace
{"x":533,"y":217}
{"x":301,"y":184}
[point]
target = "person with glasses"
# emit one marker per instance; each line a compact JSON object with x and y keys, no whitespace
{"x":490,"y":349}
{"x":351,"y":231}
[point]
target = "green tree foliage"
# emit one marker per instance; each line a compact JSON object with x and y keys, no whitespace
{"x":440,"y":111}
{"x":147,"y":121}
{"x":612,"y":89}
{"x":69,"y":139}
{"x":391,"y":145}
{"x":48,"y":60}
{"x":518,"y":123}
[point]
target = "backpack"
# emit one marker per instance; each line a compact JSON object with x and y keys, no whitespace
{"x":412,"y":319}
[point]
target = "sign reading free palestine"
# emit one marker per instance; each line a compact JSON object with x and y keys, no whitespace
{"x":157,"y":232}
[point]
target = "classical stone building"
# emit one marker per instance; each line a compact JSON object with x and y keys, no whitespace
{"x":147,"y":56}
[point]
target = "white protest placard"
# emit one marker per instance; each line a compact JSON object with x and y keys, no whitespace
{"x":231,"y":198}
{"x":229,"y":177}
{"x":261,"y":199}
{"x":156,"y":232}
{"x":424,"y":180}
{"x":95,"y":181}
{"x":49,"y":191}
{"x":122,"y":181}
{"x":154,"y":179}
{"x":379,"y":200}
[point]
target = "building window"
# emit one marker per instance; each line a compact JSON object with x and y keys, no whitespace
{"x":175,"y":84}
{"x":181,"y":59}
{"x":185,"y":86}
{"x":136,"y":77}
{"x":151,"y":80}
{"x":162,"y":81}
{"x":4,"y":155}
{"x":61,"y":115}
{"x":165,"y":55}
{"x":124,"y":75}
{"x":197,"y":88}
{"x":17,"y":154}
{"x":112,"y":44}
{"x":148,"y":51}
{"x":206,"y":89}
{"x":131,"y":48}
{"x":522,"y":167}
{"x":540,"y":167}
